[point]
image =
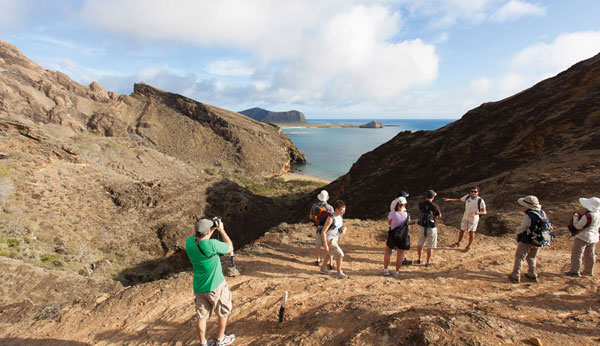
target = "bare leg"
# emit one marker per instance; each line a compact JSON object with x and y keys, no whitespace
{"x":399,"y":258}
{"x":222,"y":323}
{"x":338,"y":264}
{"x":325,"y":261}
{"x":318,"y":252}
{"x":460,"y":236}
{"x":471,"y":238}
{"x":201,"y":325}
{"x":419,"y":249}
{"x":386,"y":257}
{"x":428,"y":255}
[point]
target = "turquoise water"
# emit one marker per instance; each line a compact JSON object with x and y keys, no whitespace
{"x":331,"y":151}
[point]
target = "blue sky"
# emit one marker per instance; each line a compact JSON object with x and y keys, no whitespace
{"x":328,"y":59}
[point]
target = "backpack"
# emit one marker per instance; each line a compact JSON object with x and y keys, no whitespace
{"x":540,"y":232}
{"x":322,"y":217}
{"x":402,"y":235}
{"x":316,"y":210}
{"x":426,"y":219}
{"x":574,"y":231}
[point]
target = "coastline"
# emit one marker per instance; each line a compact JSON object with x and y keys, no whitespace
{"x":301,"y":176}
{"x":315,"y":125}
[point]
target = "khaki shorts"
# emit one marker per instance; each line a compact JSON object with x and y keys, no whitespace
{"x":219,"y":299}
{"x":431,"y":240}
{"x":318,"y":239}
{"x":469,"y":225}
{"x":334,"y":249}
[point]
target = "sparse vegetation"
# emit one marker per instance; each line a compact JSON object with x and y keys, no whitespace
{"x":3,"y":171}
{"x":49,"y":258}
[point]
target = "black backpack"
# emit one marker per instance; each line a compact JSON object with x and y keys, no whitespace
{"x":540,"y":232}
{"x":402,"y":235}
{"x":426,"y":219}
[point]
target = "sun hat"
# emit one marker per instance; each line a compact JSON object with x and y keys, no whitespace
{"x":202,"y":227}
{"x":530,"y":202}
{"x":323,"y":196}
{"x":591,"y":204}
{"x":400,"y":200}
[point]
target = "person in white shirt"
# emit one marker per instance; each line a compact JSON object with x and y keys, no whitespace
{"x":474,"y":206}
{"x":585,"y":241}
{"x":334,"y":226}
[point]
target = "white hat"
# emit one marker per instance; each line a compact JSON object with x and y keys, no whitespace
{"x":323,"y":196}
{"x":400,"y":200}
{"x":529,"y":202}
{"x":591,"y":204}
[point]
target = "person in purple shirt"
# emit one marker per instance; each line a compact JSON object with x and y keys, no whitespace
{"x":397,"y":218}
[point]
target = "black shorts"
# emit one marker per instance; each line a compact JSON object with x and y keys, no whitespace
{"x":397,"y":241}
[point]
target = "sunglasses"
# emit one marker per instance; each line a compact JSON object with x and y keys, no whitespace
{"x":474,"y":191}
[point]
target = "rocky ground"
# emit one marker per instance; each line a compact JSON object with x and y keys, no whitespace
{"x":465,"y":299}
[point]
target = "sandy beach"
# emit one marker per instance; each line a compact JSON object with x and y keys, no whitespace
{"x":301,"y":176}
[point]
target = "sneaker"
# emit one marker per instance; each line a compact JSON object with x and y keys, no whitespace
{"x":324,"y":270}
{"x":385,"y":272}
{"x":513,"y":279}
{"x":467,"y":248}
{"x":226,"y":340}
{"x":396,"y":274}
{"x":318,"y":262}
{"x":207,"y":342}
{"x":406,"y":262}
{"x":429,"y":265}
{"x":573,"y":275}
{"x":418,"y":262}
{"x":531,"y":278}
{"x":330,"y":267}
{"x":341,"y":275}
{"x":457,"y":244}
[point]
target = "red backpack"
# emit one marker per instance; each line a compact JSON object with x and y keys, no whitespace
{"x":574,"y":231}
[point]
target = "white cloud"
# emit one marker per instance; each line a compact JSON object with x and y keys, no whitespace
{"x":481,"y":85}
{"x":230,"y":67}
{"x":442,"y":38}
{"x":516,"y":9}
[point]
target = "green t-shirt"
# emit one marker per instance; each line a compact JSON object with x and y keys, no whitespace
{"x":208,"y":273}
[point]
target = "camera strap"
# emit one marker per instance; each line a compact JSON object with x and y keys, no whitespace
{"x":198,"y":245}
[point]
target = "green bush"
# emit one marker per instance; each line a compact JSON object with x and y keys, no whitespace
{"x":12,"y":242}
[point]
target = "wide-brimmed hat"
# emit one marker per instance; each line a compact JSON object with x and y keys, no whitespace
{"x":529,"y":202}
{"x":323,"y":196}
{"x":591,"y":204}
{"x":400,"y":200}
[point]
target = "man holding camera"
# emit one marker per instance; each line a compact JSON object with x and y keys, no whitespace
{"x":210,"y":289}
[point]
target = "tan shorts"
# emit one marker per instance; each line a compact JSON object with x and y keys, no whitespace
{"x":334,"y":249}
{"x":219,"y":299}
{"x":318,"y":239}
{"x":469,"y":225}
{"x":431,"y":240}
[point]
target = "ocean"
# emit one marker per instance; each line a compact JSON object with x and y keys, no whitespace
{"x":331,"y":151}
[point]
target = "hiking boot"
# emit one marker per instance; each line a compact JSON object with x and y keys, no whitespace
{"x":406,"y":262}
{"x":207,"y":342}
{"x":324,"y":270}
{"x":514,"y":279}
{"x":429,"y":265}
{"x":341,"y":275}
{"x":396,"y":274}
{"x":573,"y":275}
{"x":385,"y":272}
{"x":531,"y":278}
{"x":226,"y":340}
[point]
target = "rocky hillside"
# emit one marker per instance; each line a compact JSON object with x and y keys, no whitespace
{"x":543,"y":141}
{"x":109,"y":185}
{"x":274,"y":117}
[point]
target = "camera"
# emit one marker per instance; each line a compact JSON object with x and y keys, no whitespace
{"x":216,"y":221}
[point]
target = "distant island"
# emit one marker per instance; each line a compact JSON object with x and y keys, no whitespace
{"x":274,"y":117}
{"x":372,"y":125}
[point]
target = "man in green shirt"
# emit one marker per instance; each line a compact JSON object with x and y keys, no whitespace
{"x":210,"y":289}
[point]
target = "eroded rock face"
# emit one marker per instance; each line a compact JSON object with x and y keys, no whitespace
{"x":538,"y":141}
{"x":274,"y":117}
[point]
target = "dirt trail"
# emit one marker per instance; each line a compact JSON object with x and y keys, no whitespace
{"x":465,"y":299}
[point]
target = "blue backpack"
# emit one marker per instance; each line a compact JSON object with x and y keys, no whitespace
{"x":540,"y":232}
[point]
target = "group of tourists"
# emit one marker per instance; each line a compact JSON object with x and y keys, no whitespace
{"x":535,"y":231}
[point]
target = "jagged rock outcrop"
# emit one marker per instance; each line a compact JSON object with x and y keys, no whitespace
{"x":544,"y":141}
{"x":374,"y":124}
{"x":88,"y":176}
{"x":274,"y":117}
